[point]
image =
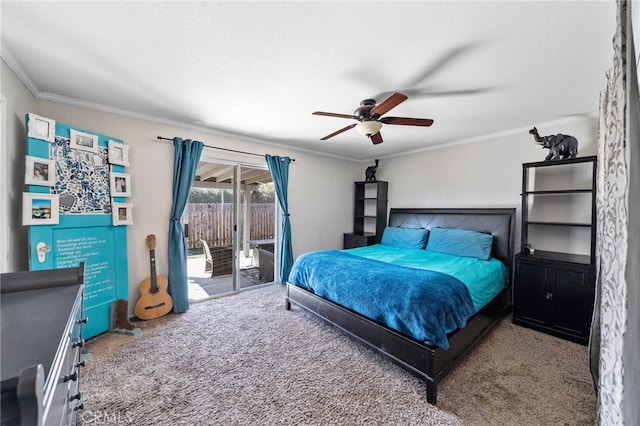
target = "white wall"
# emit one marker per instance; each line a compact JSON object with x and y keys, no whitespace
{"x":484,"y":173}
{"x":13,"y":236}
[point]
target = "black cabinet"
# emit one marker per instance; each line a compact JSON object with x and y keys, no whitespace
{"x":353,"y":240}
{"x":555,"y":271}
{"x":554,"y":295}
{"x":369,"y":214}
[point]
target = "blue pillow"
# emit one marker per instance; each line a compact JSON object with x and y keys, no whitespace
{"x":461,"y":242}
{"x":411,"y":238}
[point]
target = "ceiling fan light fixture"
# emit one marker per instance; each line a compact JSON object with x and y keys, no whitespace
{"x":368,"y":128}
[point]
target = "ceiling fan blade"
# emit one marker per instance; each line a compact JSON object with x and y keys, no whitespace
{"x":388,"y":104}
{"x":447,"y":57}
{"x":337,"y":132}
{"x":376,"y":138}
{"x":333,"y":114}
{"x":405,"y":121}
{"x":426,"y":93}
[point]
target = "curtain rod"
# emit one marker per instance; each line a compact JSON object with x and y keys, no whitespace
{"x":224,"y":149}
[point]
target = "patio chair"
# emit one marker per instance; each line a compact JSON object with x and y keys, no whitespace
{"x":218,"y":261}
{"x":208,"y":262}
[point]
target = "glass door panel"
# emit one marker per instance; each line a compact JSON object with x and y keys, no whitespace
{"x":210,"y":222}
{"x":257,"y":227}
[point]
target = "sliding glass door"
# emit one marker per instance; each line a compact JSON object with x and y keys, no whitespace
{"x":230,"y":221}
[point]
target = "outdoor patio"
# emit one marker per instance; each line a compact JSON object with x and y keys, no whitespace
{"x":203,"y":286}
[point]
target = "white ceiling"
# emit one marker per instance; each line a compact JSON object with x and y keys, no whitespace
{"x":259,"y":69}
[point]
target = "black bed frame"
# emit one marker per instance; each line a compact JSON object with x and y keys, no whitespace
{"x":429,"y":363}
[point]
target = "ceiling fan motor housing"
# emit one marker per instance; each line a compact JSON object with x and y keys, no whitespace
{"x":363,"y":112}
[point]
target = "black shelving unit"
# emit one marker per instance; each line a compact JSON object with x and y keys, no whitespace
{"x":369,"y":214}
{"x":554,"y":286}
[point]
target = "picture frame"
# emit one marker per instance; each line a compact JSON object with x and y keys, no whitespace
{"x":41,"y":128}
{"x":40,"y":209}
{"x":83,"y":141}
{"x":120,"y":184}
{"x":122,"y":214}
{"x":118,"y":153}
{"x":39,"y":171}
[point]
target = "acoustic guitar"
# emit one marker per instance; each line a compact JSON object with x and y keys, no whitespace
{"x":154,"y":300}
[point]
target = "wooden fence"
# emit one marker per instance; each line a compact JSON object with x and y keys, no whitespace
{"x":213,"y":222}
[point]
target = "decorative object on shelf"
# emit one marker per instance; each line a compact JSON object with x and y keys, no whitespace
{"x":40,"y":209}
{"x":39,"y":171}
{"x":370,"y":174}
{"x":83,"y":141}
{"x":120,"y":184}
{"x":118,"y":153}
{"x":41,"y":128}
{"x":122,"y":214}
{"x":559,"y":146}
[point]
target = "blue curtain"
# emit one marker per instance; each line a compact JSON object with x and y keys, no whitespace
{"x":185,"y":162}
{"x":279,"y":168}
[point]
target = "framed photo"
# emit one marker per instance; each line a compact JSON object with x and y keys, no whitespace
{"x":118,"y":153}
{"x":84,"y":141}
{"x":41,"y":128}
{"x":120,"y":184}
{"x":122,"y":214}
{"x":39,"y":171}
{"x":40,"y":209}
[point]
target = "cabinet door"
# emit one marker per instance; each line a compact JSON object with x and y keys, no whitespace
{"x":530,"y":292}
{"x":353,"y":241}
{"x":572,"y":304}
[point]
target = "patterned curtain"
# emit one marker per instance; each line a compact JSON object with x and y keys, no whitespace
{"x":610,"y":315}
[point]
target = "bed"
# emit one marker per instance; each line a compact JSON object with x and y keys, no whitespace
{"x":424,"y":355}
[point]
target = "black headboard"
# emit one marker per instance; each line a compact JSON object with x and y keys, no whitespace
{"x":500,"y":222}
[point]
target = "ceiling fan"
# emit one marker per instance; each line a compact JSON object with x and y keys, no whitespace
{"x":370,"y":118}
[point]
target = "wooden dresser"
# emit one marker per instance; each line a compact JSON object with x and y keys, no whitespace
{"x":41,"y":346}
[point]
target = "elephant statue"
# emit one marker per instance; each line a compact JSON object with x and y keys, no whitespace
{"x":559,"y":146}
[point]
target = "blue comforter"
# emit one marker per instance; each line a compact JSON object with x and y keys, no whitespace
{"x":422,"y":304}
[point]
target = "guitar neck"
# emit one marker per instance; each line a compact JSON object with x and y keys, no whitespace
{"x":152,"y":273}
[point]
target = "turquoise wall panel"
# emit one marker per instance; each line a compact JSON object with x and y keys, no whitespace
{"x":83,"y":236}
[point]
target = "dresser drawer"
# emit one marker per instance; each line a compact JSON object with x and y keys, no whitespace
{"x":60,"y":396}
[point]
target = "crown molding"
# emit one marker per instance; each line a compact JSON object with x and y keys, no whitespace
{"x":12,"y":63}
{"x":175,"y":123}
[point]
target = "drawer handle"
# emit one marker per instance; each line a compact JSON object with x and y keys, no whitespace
{"x":82,"y":363}
{"x":78,"y":344}
{"x":73,"y":376}
{"x":78,"y":407}
{"x":549,"y":296}
{"x":82,"y":321}
{"x":76,"y":396}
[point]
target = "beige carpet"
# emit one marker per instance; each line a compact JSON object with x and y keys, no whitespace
{"x":245,"y":360}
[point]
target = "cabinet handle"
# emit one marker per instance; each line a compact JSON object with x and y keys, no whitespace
{"x":76,"y":396}
{"x":78,"y":407}
{"x":549,"y":296}
{"x":78,"y":344}
{"x":82,"y":320}
{"x":73,"y":376}
{"x":82,"y":363}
